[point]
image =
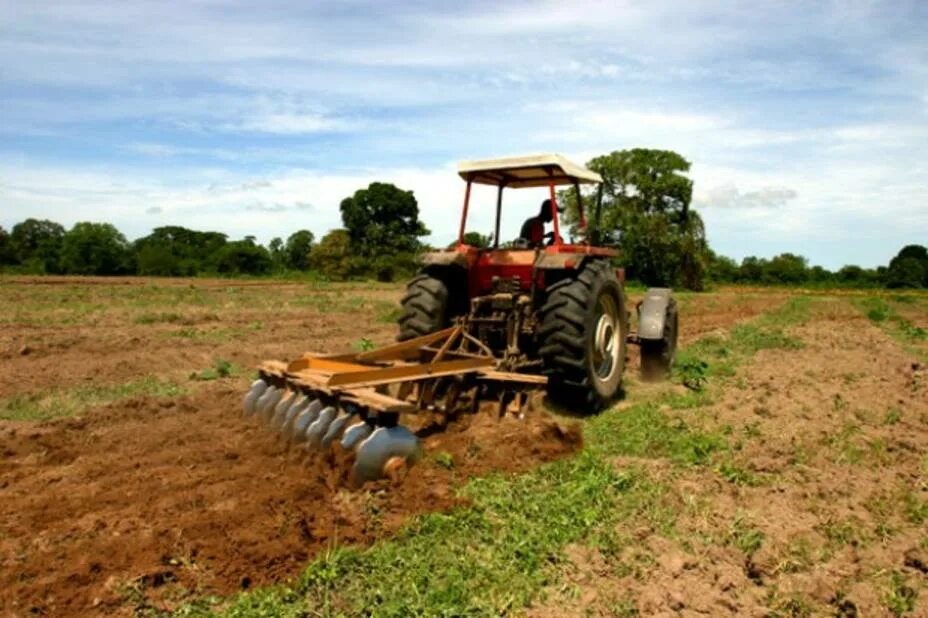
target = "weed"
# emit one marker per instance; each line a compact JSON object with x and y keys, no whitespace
{"x":220,"y":369}
{"x":364,"y":344}
{"x":840,"y":533}
{"x":160,"y":317}
{"x":444,"y":459}
{"x":733,"y":473}
{"x":691,"y":372}
{"x":745,"y":536}
{"x":915,"y":509}
{"x":900,"y":598}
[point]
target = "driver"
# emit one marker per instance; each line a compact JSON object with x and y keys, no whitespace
{"x":533,"y":230}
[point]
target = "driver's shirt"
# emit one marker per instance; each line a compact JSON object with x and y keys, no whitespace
{"x":533,"y":230}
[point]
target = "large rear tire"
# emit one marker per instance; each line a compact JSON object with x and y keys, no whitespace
{"x":582,"y":338}
{"x":425,"y":307}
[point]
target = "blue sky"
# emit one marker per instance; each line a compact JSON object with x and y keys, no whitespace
{"x":807,"y":123}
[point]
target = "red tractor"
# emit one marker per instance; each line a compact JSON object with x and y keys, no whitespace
{"x":553,"y":307}
{"x":479,"y":326}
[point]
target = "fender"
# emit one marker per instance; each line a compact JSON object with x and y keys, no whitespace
{"x":559,"y":261}
{"x":444,"y":258}
{"x":652,"y":313}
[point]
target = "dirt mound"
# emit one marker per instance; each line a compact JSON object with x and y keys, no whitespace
{"x":149,"y":499}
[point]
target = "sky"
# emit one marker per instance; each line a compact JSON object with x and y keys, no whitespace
{"x":806,"y":123}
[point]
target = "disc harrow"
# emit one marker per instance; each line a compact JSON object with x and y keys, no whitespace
{"x":358,"y":402}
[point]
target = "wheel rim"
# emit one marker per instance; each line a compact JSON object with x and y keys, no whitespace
{"x":606,"y":345}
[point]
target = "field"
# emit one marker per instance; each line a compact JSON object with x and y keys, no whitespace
{"x":783,"y":472}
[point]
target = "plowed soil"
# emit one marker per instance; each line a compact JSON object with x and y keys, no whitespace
{"x":146,"y":500}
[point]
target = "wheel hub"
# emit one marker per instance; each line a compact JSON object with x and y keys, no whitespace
{"x":606,"y":340}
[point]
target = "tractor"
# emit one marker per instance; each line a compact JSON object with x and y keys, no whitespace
{"x":557,"y":309}
{"x":481,"y":328}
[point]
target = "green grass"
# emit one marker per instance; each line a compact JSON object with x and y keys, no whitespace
{"x":70,"y":402}
{"x":882,"y":313}
{"x":715,"y":357}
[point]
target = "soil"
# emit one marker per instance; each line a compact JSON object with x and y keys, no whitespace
{"x":148,"y":500}
{"x":831,"y":441}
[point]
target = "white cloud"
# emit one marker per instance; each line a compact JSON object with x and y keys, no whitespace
{"x":728,"y":196}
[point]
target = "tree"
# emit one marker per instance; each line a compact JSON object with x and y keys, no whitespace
{"x":721,"y":268}
{"x":752,"y":269}
{"x":176,"y":251}
{"x":243,"y":257}
{"x":646,"y":213}
{"x":907,"y":272}
{"x":334,"y":257}
{"x":909,"y":269}
{"x":6,"y":248}
{"x":94,"y":249}
{"x":382,"y":219}
{"x":786,"y":268}
{"x":276,"y":250}
{"x":476,"y":239}
{"x":298,"y":248}
{"x":36,"y":243}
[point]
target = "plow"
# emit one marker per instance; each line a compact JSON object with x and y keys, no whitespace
{"x":489,"y":329}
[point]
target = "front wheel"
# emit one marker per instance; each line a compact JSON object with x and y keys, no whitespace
{"x":582,"y":338}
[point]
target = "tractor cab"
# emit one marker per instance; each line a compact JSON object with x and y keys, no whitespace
{"x":520,"y":263}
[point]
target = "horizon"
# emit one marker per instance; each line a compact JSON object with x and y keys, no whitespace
{"x":805,"y":125}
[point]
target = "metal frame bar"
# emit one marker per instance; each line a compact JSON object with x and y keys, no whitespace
{"x":464,"y":213}
{"x":557,"y":229}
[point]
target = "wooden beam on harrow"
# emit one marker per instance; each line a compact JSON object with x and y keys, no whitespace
{"x":402,"y":373}
{"x":505,"y":376}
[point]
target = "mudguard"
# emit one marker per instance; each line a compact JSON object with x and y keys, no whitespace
{"x":444,"y":258}
{"x":652,"y":313}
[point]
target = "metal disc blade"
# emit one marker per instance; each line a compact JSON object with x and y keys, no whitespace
{"x":268,"y":400}
{"x":317,"y":430}
{"x":335,"y":429}
{"x":280,"y":410}
{"x":355,"y":434}
{"x":383,"y":444}
{"x":297,"y":429}
{"x":251,"y":397}
{"x":292,"y":412}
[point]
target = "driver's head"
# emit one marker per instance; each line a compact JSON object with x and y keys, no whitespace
{"x":545,"y":213}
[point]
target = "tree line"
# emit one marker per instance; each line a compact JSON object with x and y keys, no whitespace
{"x":646,"y":213}
{"x":380,"y":239}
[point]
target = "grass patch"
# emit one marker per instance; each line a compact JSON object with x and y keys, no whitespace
{"x":717,"y":356}
{"x":74,"y":401}
{"x":882,"y":313}
{"x":220,"y":369}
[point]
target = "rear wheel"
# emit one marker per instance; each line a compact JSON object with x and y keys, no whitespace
{"x":425,"y":307}
{"x":582,"y":338}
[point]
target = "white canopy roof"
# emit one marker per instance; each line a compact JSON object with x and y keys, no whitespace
{"x":528,"y":171}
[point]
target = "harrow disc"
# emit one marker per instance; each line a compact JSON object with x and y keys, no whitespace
{"x":381,"y":449}
{"x":251,"y":398}
{"x":318,"y":429}
{"x":295,"y":432}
